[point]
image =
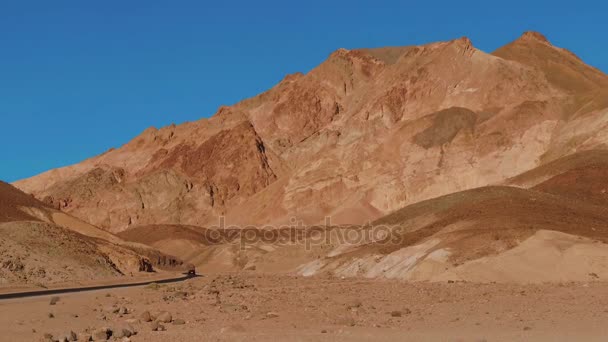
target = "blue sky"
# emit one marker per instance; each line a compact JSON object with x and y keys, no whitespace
{"x":79,"y":77}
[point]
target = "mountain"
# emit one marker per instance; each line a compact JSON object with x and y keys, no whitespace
{"x":365,"y":133}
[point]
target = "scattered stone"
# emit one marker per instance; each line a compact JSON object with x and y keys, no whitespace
{"x":179,"y":321}
{"x":102,"y":334}
{"x":50,"y":314}
{"x":272,"y":314}
{"x":132,"y":321}
{"x":54,"y":300}
{"x":235,"y":328}
{"x":323,"y":331}
{"x":156,"y":326}
{"x":527,"y":328}
{"x":396,"y":313}
{"x":146,"y":317}
{"x":180,"y":294}
{"x":164,"y":317}
{"x":123,"y":332}
{"x":123,"y":310}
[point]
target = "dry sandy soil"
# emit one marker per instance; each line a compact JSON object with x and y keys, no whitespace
{"x":245,"y":307}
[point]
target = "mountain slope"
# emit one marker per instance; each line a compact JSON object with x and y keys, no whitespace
{"x":488,"y":234}
{"x":40,"y":245}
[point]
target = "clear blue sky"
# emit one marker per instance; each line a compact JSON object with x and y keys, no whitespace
{"x":79,"y":77}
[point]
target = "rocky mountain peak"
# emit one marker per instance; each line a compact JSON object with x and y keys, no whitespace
{"x":534,"y":36}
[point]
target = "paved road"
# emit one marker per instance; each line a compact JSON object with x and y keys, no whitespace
{"x":37,"y":293}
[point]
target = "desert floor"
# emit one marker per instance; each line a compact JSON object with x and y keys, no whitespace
{"x":228,"y":307}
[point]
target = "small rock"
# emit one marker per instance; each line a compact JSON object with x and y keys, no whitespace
{"x":71,"y":336}
{"x":102,"y":334}
{"x":123,"y":310}
{"x":180,"y":294}
{"x":527,"y":328}
{"x":53,"y":300}
{"x":179,"y":321}
{"x":123,"y":332}
{"x":396,"y":313}
{"x":164,"y":317}
{"x":272,"y":314}
{"x":50,"y":314}
{"x":146,"y":317}
{"x":156,"y":326}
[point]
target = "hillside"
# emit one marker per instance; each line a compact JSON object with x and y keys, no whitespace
{"x":490,"y":234}
{"x":43,"y":246}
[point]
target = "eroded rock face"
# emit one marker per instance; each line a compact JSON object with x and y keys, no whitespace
{"x":366,"y":132}
{"x":185,"y":183}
